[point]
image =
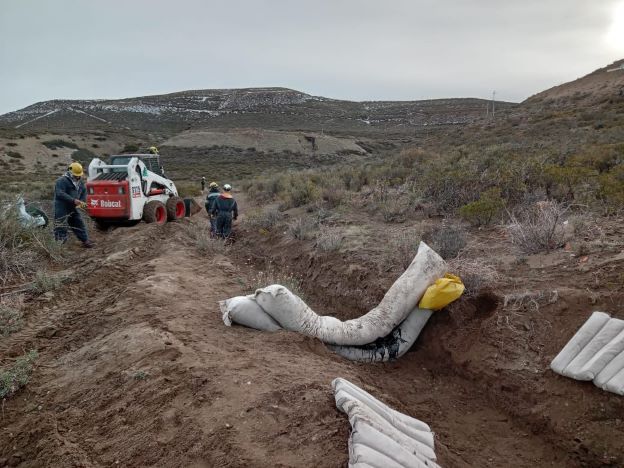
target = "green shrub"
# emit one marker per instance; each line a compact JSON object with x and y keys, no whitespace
{"x":188,"y":189}
{"x":14,"y":155}
{"x":611,"y":190}
{"x":301,"y":191}
{"x":10,"y":143}
{"x":58,"y":143}
{"x":130,"y":148}
{"x":44,"y":282}
{"x":83,"y":156}
{"x":483,"y":211}
{"x":16,"y":376}
{"x":10,"y":319}
{"x":568,"y":181}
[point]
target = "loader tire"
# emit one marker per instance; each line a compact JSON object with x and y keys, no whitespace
{"x":155,"y":212}
{"x":175,"y":208}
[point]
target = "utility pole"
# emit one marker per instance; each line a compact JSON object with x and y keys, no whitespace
{"x":493,"y":104}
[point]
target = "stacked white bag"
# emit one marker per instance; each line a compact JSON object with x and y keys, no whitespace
{"x":381,"y":436}
{"x":595,"y":352}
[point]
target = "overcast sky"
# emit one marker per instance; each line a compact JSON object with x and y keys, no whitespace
{"x":347,"y":49}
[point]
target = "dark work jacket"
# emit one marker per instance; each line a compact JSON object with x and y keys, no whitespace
{"x":211,"y":200}
{"x":225,"y":205}
{"x":65,"y":192}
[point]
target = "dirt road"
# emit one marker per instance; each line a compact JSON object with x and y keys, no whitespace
{"x":137,"y":369}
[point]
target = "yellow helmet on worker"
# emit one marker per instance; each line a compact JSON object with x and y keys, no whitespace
{"x":76,"y":169}
{"x":213,"y":185}
{"x":153,"y":150}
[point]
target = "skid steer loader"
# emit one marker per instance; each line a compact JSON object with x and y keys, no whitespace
{"x":130,"y":189}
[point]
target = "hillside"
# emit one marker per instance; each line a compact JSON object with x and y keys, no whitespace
{"x":271,"y":108}
{"x":603,"y":85}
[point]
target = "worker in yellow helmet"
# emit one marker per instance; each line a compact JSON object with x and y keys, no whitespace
{"x":153,"y":150}
{"x":70,"y":194}
{"x":213,"y":194}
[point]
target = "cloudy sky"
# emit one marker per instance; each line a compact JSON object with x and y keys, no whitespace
{"x":349,"y":49}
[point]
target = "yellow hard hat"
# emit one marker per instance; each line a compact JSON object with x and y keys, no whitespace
{"x":76,"y":169}
{"x":153,"y":150}
{"x":213,"y":185}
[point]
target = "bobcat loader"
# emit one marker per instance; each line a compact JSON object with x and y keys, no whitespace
{"x":130,"y":189}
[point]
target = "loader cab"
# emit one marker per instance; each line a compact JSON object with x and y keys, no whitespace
{"x":151,"y":161}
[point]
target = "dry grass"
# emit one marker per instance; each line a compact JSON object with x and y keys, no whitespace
{"x":476,"y":274}
{"x":328,"y":239}
{"x":199,"y":234}
{"x":538,"y":228}
{"x":447,"y":240}
{"x":301,"y":229}
{"x":23,"y":248}
{"x":272,"y":275}
{"x":529,"y":300}
{"x":265,"y":219}
{"x":402,"y":247}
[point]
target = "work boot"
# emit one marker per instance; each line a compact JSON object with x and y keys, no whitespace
{"x":88,"y":244}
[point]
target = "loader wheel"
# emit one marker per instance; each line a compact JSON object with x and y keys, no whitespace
{"x":175,"y":208}
{"x":155,"y":212}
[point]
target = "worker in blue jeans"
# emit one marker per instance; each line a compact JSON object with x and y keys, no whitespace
{"x":69,"y":194}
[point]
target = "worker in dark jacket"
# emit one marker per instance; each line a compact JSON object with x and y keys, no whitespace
{"x":211,"y":199}
{"x":69,"y":194}
{"x":226,"y":210}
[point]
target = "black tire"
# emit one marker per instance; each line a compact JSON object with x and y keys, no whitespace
{"x":175,"y":208}
{"x":155,"y":212}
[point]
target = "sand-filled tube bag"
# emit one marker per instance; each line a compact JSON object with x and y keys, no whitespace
{"x":390,"y":347}
{"x":244,"y":310}
{"x":380,"y":435}
{"x":291,"y":313}
{"x":595,"y":352}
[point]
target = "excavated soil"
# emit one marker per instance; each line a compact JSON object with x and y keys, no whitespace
{"x":136,"y":368}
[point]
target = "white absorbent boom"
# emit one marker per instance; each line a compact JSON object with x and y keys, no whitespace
{"x":275,"y":307}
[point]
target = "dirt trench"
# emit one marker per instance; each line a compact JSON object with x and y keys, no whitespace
{"x":136,"y":368}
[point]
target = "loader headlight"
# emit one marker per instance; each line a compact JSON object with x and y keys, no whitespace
{"x":121,"y":190}
{"x":91,"y":191}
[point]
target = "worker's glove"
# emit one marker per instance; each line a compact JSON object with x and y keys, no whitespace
{"x":82,"y":206}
